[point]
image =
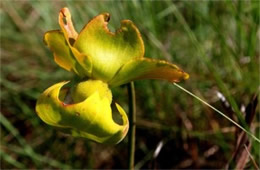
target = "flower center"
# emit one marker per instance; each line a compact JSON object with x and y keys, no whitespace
{"x":84,"y":89}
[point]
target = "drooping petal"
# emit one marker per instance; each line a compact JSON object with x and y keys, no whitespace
{"x":108,"y":50}
{"x":144,"y":68}
{"x":71,"y":35}
{"x":91,"y":118}
{"x":56,"y":41}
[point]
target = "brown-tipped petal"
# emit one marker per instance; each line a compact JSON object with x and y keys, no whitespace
{"x":71,"y":35}
{"x":67,"y":25}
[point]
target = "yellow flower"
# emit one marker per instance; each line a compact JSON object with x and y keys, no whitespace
{"x":103,"y":59}
{"x":90,"y":116}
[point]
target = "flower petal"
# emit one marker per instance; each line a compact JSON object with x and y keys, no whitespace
{"x":145,"y":68}
{"x":71,"y":35}
{"x":91,"y":118}
{"x":109,"y":50}
{"x":56,"y":41}
{"x":66,"y":25}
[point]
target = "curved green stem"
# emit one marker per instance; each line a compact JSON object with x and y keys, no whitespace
{"x":132,"y":120}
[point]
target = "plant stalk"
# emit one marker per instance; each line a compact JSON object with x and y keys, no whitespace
{"x":132,"y":125}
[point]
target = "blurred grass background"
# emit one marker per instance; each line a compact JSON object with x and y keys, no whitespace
{"x":216,"y":42}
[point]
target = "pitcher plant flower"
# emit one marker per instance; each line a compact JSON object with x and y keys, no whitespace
{"x":102,"y":59}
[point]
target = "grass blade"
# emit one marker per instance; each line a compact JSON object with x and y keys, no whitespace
{"x":26,"y":147}
{"x":10,"y":160}
{"x":222,"y":114}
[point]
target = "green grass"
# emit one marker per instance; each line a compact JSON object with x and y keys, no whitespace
{"x":211,"y":40}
